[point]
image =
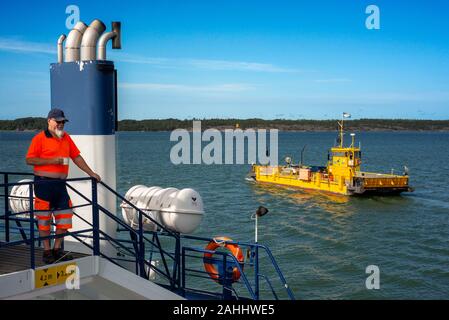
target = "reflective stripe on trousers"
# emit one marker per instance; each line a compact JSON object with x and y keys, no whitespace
{"x":63,"y":218}
{"x":43,"y":220}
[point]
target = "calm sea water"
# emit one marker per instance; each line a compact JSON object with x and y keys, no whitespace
{"x":322,"y":243}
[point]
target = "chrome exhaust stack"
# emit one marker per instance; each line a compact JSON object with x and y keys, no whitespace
{"x":72,"y":44}
{"x":115,"y":34}
{"x":60,"y":48}
{"x":86,"y":43}
{"x":90,"y":38}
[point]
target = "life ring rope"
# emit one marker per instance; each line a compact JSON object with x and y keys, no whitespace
{"x":222,"y":242}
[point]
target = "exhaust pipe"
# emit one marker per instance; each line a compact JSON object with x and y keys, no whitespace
{"x":60,"y":49}
{"x":72,"y":45}
{"x":90,"y":38}
{"x":116,"y":44}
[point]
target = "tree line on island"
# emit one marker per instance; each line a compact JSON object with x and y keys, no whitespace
{"x":33,"y":124}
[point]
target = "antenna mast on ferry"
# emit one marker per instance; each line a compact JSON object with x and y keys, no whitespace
{"x":345,"y":115}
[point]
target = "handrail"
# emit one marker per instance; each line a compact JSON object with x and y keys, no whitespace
{"x":139,"y":238}
{"x":278,"y":271}
{"x":225,"y":256}
{"x":112,"y":216}
{"x":253,"y":245}
{"x":270,"y":285}
{"x":95,"y":225}
{"x":139,"y":210}
{"x":17,"y":173}
{"x":19,"y":242}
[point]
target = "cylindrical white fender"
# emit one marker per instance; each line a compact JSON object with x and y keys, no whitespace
{"x":143,"y":202}
{"x":182,"y":211}
{"x":178,"y":210}
{"x":132,"y":196}
{"x":21,"y":203}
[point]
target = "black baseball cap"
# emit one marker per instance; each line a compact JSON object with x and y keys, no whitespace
{"x":57,"y":114}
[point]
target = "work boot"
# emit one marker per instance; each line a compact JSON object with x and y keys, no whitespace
{"x":60,"y":255}
{"x":47,"y":257}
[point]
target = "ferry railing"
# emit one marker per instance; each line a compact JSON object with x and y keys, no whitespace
{"x":176,"y":277}
{"x":226,"y":258}
{"x":97,"y":233}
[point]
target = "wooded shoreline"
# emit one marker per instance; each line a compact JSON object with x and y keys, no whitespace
{"x":33,"y":124}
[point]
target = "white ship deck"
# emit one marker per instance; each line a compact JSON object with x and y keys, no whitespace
{"x":98,"y":279}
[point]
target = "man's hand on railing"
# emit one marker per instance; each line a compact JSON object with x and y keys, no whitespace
{"x":96,"y":176}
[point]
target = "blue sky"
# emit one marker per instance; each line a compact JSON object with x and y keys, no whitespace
{"x":266,"y":59}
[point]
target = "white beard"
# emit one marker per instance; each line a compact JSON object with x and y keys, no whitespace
{"x":59,"y":133}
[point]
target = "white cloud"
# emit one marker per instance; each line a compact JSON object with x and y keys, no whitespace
{"x":237,"y":65}
{"x":205,"y":64}
{"x":436,"y":96}
{"x":15,"y":45}
{"x":221,"y":88}
{"x":333,"y":80}
{"x":374,"y":98}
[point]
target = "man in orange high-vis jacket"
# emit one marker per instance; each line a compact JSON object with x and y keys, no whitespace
{"x":49,"y":153}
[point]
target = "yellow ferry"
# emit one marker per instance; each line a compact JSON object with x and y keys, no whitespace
{"x":341,"y":175}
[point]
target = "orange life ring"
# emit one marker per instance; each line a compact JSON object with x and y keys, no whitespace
{"x":210,"y":267}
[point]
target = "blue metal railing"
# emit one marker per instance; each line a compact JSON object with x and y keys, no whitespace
{"x":140,"y":242}
{"x":97,"y":233}
{"x":254,"y":255}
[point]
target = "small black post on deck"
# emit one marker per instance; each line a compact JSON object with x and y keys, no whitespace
{"x":5,"y":181}
{"x":95,"y":218}
{"x":30,"y":198}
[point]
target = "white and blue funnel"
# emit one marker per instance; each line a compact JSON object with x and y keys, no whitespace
{"x":84,"y":86}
